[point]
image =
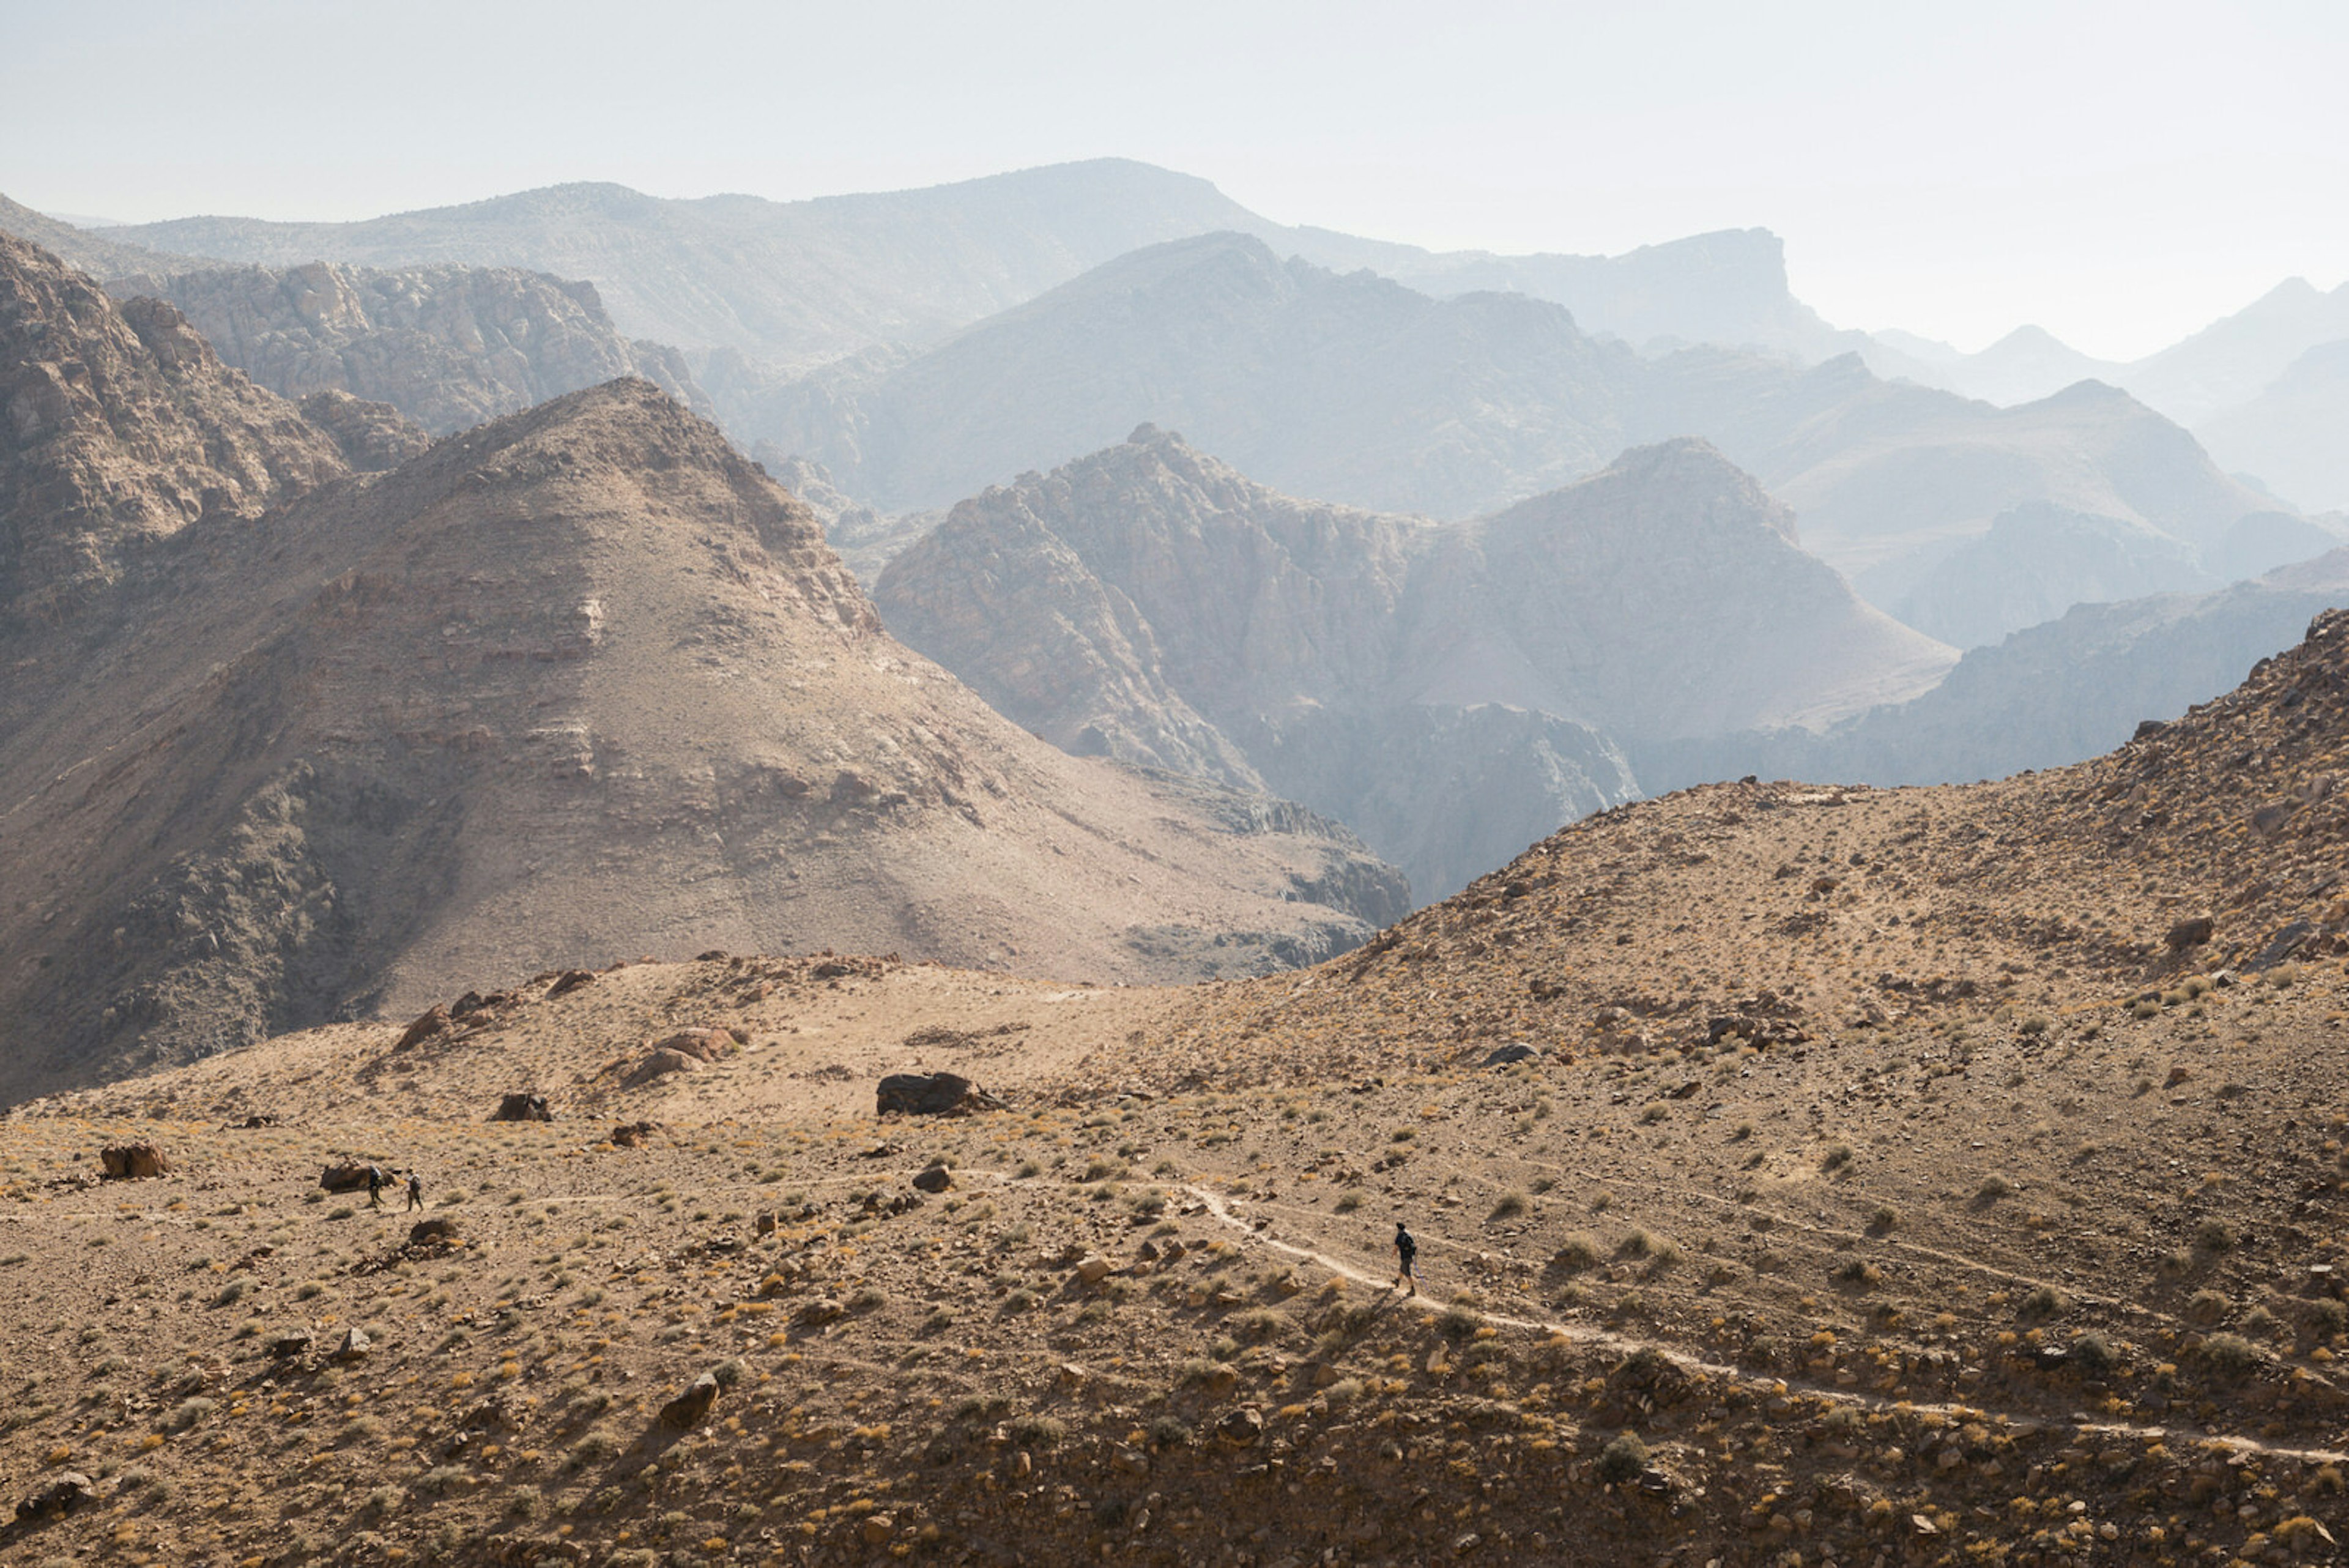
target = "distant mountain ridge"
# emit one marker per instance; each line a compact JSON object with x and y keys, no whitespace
{"x":791,"y":283}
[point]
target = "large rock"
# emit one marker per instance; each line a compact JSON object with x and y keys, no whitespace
{"x":932,"y":1094}
{"x":660,"y":1064}
{"x":69,"y":1492}
{"x":134,"y":1161}
{"x":701,"y":1044}
{"x":433,"y":1020}
{"x":691,"y":1408}
{"x":347,"y":1178}
{"x":521,"y":1108}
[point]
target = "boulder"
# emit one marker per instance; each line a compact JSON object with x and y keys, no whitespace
{"x":821,"y":1311}
{"x":521,"y":1108}
{"x":1092,"y":1269}
{"x":290,"y":1342}
{"x":570,"y":979}
{"x":133,"y":1162}
{"x":701,"y":1044}
{"x":932,"y":1094}
{"x":632,"y":1134}
{"x":690,"y":1408}
{"x":937,"y":1179}
{"x":424,"y":1233}
{"x":354,"y":1346}
{"x":1514,"y":1052}
{"x":424,"y":1027}
{"x":2191,"y":933}
{"x":1242,"y":1429}
{"x":69,"y":1491}
{"x":660,"y":1064}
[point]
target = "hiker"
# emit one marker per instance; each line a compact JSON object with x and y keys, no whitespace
{"x":1406,"y":1260}
{"x":375,"y":1186}
{"x":415,"y":1193}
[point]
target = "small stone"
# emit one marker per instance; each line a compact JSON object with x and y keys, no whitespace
{"x":766,"y":1222}
{"x":878,"y":1528}
{"x":354,"y":1346}
{"x":1242,"y":1427}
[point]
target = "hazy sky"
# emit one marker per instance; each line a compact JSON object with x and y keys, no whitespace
{"x":2118,"y":173}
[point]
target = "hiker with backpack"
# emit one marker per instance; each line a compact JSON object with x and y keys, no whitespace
{"x":1406,"y":1260}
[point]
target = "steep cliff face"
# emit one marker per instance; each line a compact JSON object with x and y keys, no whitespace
{"x":449,"y":346}
{"x":580,"y":683}
{"x":1444,"y":689}
{"x":123,"y":428}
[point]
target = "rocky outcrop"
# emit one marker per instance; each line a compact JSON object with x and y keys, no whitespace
{"x":1449,"y":692}
{"x":123,"y":428}
{"x":449,"y":346}
{"x":579,"y":682}
{"x":372,"y":437}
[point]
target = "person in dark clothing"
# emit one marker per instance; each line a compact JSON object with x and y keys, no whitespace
{"x":415,"y":1190}
{"x":375,"y":1186}
{"x":1406,"y":1260}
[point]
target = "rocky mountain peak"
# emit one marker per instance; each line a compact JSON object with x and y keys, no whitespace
{"x":123,"y":427}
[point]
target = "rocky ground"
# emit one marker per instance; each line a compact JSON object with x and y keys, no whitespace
{"x":1799,"y":1176}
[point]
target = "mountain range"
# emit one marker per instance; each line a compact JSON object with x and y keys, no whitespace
{"x":281,"y":741}
{"x":1357,"y":390}
{"x":787,"y":284}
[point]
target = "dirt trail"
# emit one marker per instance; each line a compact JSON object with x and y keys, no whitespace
{"x":1220,"y":1208}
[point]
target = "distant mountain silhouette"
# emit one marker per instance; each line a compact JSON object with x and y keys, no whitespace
{"x":786,"y":284}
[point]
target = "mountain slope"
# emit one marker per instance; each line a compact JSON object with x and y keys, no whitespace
{"x":1445,"y":691}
